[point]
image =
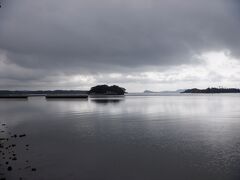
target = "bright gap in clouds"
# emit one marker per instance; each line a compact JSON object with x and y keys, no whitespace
{"x":212,"y":70}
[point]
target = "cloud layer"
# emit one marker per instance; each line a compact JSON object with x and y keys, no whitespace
{"x":74,"y":44}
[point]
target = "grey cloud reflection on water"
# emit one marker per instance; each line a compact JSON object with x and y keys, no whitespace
{"x":138,"y":138}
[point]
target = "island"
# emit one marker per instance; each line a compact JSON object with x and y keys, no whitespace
{"x":107,"y":90}
{"x":212,"y":90}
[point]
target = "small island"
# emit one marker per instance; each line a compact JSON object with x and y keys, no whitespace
{"x":212,"y":90}
{"x":107,"y":90}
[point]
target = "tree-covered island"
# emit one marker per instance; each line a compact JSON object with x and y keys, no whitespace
{"x":107,"y":90}
{"x":212,"y":90}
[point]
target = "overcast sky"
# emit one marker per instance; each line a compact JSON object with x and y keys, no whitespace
{"x":138,"y":44}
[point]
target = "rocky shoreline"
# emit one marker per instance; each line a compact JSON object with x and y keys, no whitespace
{"x":9,"y":155}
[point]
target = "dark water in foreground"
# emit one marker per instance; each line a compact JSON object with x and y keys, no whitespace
{"x":138,"y":138}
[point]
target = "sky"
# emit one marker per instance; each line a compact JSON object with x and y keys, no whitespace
{"x":137,"y":44}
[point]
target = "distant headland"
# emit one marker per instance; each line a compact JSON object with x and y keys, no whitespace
{"x":212,"y":90}
{"x":177,"y":91}
{"x":96,"y":90}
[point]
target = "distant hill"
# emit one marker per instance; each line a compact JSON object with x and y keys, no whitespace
{"x":148,"y":91}
{"x":177,"y":91}
{"x":213,"y":90}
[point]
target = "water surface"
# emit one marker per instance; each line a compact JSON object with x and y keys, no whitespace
{"x":135,"y":138}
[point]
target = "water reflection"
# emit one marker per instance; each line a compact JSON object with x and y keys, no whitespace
{"x":13,"y":99}
{"x":107,"y":101}
{"x":181,"y":137}
{"x":66,"y":99}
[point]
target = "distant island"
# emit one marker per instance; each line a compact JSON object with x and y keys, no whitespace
{"x":48,"y":94}
{"x":107,"y":90}
{"x":212,"y":90}
{"x":177,"y":91}
{"x":41,"y":92}
{"x":96,"y":90}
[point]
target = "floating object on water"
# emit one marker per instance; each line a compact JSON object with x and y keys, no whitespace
{"x":22,"y":135}
{"x":9,"y":168}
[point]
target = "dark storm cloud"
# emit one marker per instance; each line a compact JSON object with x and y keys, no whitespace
{"x":91,"y":36}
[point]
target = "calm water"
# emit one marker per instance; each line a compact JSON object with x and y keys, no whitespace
{"x":136,"y":138}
